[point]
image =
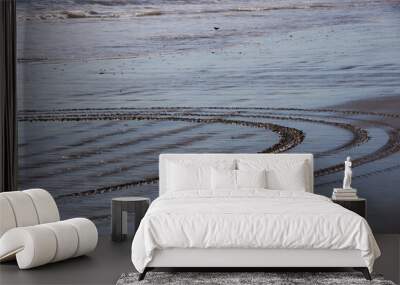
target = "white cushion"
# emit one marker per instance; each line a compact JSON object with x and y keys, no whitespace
{"x":251,"y":179}
{"x":31,"y":233}
{"x":67,"y":240}
{"x":7,"y":220}
{"x":265,"y":161}
{"x":281,"y":174}
{"x":45,"y":205}
{"x":231,"y":180}
{"x":26,"y":208}
{"x":40,"y":244}
{"x":87,"y":233}
{"x":23,"y":208}
{"x":32,"y":246}
{"x":186,"y":175}
{"x":223,"y":179}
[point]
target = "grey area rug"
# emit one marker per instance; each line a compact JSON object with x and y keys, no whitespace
{"x":269,"y":278}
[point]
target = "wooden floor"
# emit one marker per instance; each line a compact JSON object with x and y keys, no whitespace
{"x":110,"y":260}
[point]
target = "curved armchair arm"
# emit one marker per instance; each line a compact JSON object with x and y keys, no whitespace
{"x":32,"y":246}
{"x":40,"y":244}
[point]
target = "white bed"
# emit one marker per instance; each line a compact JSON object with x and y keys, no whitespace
{"x":280,"y":225}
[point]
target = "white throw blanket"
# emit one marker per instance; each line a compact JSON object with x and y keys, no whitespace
{"x":250,"y":219}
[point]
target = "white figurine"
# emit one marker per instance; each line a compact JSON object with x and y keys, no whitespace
{"x":347,"y":174}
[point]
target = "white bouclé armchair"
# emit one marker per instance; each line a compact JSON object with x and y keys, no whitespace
{"x":31,"y":231}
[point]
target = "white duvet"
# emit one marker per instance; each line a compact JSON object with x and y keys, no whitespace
{"x":250,"y":219}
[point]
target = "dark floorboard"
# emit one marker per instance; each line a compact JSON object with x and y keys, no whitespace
{"x":110,"y":260}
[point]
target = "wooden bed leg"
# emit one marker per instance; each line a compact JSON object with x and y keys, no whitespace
{"x":143,"y":274}
{"x":364,"y":271}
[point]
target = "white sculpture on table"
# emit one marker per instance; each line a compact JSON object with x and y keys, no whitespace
{"x":347,"y":174}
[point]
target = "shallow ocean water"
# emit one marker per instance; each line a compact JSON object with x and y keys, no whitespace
{"x":87,"y":55}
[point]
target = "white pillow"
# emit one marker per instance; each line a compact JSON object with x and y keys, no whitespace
{"x":193,"y":175}
{"x":293,"y":180}
{"x":187,"y":177}
{"x":223,"y":179}
{"x":227,"y":179}
{"x":251,"y":179}
{"x":281,"y":174}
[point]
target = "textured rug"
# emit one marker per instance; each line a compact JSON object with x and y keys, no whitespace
{"x":243,"y":278}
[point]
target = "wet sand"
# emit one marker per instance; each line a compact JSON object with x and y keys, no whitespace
{"x":375,"y":156}
{"x":103,"y":93}
{"x":387,"y":105}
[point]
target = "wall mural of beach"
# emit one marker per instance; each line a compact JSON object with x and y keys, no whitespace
{"x":105,"y":86}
